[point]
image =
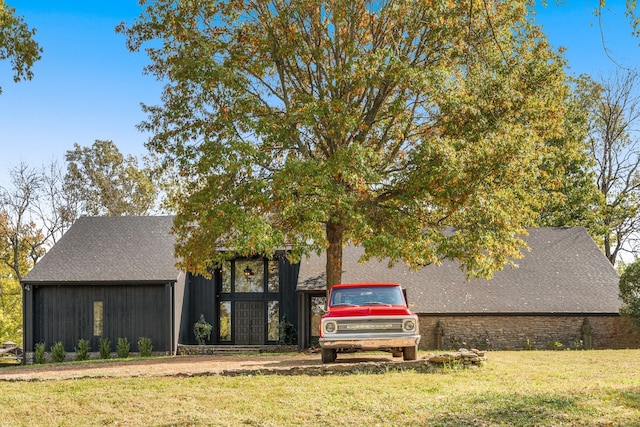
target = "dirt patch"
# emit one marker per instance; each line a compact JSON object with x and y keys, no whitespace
{"x":297,"y":364}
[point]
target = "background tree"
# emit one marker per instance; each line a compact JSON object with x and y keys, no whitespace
{"x":613,"y":108}
{"x":23,"y":239}
{"x":575,"y":200}
{"x":22,"y":243}
{"x":34,"y":213}
{"x":630,"y":291}
{"x":101,"y":181}
{"x":17,"y":43}
{"x":416,"y":129}
{"x":10,"y":300}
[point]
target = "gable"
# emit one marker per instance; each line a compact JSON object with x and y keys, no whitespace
{"x":563,"y":272}
{"x":110,"y":249}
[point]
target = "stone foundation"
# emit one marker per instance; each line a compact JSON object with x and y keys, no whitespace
{"x":526,"y":332}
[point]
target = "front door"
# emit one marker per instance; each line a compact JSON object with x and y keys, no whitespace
{"x":249,"y":327}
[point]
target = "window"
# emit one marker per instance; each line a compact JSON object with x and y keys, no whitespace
{"x":273,"y":281}
{"x":273,"y":331}
{"x":226,"y":277}
{"x":97,"y":319}
{"x":318,"y":306}
{"x":225,"y":321}
{"x":249,"y":275}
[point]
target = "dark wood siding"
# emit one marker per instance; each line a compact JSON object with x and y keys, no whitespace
{"x":65,"y":313}
{"x":288,"y":283}
{"x":202,"y":296}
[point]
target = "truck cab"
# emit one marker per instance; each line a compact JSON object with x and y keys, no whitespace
{"x":368,"y":316}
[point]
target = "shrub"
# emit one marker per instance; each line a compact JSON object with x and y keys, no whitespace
{"x":82,"y":351}
{"x":482,"y":342}
{"x":202,"y":330}
{"x":105,"y":348}
{"x":576,"y":344}
{"x":555,"y":345}
{"x":39,"y":353}
{"x":457,"y":342}
{"x":122,"y":348}
{"x":145,"y":346}
{"x":57,"y":352}
{"x":286,"y":332}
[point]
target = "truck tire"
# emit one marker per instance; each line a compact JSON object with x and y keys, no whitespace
{"x":410,"y":353}
{"x":328,"y":355}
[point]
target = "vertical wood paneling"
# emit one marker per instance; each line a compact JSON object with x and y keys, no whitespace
{"x":65,"y":313}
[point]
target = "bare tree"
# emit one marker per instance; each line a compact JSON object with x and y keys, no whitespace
{"x":614,"y":113}
{"x":22,"y":239}
{"x":35,"y":211}
{"x":56,"y":209}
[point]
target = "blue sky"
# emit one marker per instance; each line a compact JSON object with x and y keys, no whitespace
{"x":88,"y":86}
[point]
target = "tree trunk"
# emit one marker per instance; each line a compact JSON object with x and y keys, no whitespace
{"x":335,"y":232}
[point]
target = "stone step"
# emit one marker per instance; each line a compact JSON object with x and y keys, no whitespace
{"x":234,"y":349}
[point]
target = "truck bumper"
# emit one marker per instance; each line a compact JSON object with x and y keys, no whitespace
{"x":370,"y":343}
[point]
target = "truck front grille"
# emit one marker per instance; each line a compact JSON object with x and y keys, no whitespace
{"x":351,"y":326}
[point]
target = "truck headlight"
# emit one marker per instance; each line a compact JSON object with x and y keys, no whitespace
{"x":330,"y":327}
{"x":409,"y":325}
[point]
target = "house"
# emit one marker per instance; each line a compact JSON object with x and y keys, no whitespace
{"x":563,"y":287}
{"x":117,"y":277}
{"x":106,"y":277}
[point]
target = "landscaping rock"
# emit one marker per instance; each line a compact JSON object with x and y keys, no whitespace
{"x":464,"y":356}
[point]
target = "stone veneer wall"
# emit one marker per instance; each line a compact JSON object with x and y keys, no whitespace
{"x":520,"y":332}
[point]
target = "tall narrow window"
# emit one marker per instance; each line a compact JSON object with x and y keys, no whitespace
{"x":274,"y":277}
{"x":97,"y":319}
{"x":225,"y":321}
{"x":318,"y":306}
{"x":226,"y":277}
{"x":274,"y":321}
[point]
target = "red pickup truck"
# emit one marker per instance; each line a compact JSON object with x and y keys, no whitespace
{"x":368,"y":316}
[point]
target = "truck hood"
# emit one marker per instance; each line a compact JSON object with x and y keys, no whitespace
{"x":368,"y":310}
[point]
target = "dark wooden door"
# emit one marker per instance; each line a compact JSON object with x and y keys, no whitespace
{"x":249,"y":328}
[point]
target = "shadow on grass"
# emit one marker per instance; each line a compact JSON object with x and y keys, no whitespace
{"x":513,"y":410}
{"x":629,"y":398}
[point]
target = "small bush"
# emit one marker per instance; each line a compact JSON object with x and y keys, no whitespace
{"x":576,"y":345}
{"x":555,"y":345}
{"x":105,"y":348}
{"x":145,"y":346}
{"x":122,"y":348}
{"x":57,"y":352}
{"x":202,"y":330}
{"x":39,"y":353}
{"x":82,"y":351}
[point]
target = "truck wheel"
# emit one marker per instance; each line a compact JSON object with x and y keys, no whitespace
{"x":328,"y":355}
{"x":410,"y":353}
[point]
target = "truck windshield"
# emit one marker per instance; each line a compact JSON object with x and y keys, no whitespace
{"x":367,"y":295}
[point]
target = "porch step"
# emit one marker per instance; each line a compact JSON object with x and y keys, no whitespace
{"x":184,"y":349}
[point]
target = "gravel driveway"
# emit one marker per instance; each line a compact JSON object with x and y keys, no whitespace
{"x":288,"y":364}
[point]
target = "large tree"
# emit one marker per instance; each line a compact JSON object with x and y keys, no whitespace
{"x":416,"y":129}
{"x":17,"y":43}
{"x":100,"y":180}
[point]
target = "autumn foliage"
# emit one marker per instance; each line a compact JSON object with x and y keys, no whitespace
{"x":417,"y":129}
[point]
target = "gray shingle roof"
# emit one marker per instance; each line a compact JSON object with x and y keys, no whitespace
{"x":111,"y":249}
{"x":564,"y":272}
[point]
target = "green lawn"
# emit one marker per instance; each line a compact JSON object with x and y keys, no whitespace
{"x":539,"y":388}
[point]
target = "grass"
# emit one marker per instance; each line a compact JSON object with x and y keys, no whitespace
{"x":537,"y":388}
